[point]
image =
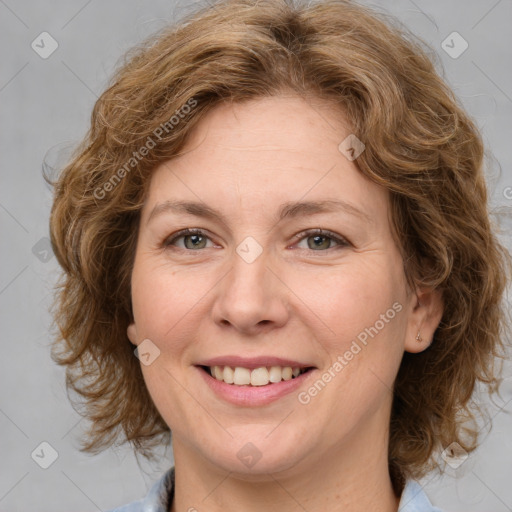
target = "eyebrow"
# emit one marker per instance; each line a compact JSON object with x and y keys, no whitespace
{"x":287,"y":210}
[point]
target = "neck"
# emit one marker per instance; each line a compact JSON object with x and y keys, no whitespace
{"x":352,"y":477}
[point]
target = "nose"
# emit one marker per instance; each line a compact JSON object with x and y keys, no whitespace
{"x":251,"y":299}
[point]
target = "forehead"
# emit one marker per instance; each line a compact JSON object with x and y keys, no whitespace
{"x":263,"y":153}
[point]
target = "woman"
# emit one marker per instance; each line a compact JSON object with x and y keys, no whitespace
{"x":276,"y":246}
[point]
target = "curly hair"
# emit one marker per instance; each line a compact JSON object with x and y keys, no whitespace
{"x":420,"y":145}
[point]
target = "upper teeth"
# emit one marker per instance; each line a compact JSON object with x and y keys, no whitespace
{"x":257,"y":377}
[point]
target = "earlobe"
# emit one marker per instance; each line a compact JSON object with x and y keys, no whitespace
{"x":131,"y":331}
{"x":424,"y":320}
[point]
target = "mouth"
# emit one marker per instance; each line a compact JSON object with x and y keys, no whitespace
{"x":254,"y":381}
{"x":254,"y":377}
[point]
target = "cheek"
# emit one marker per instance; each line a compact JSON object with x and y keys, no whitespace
{"x":360,"y":318}
{"x":350,"y":297}
{"x":364,"y":310}
{"x":162,"y":300}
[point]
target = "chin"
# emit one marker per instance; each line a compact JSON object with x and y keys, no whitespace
{"x":254,"y":460}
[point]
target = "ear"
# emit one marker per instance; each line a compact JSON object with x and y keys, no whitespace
{"x":424,"y":318}
{"x":131,"y":331}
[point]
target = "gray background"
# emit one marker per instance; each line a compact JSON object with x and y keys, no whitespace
{"x":45,"y":102}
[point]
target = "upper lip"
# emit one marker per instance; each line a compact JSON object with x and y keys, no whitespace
{"x":252,"y":362}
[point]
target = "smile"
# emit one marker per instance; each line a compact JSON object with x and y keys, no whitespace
{"x":240,"y":376}
{"x":254,"y":387}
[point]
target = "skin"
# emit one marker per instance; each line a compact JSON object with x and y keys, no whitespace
{"x":295,"y":301}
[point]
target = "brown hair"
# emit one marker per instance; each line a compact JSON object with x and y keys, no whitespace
{"x":420,"y":145}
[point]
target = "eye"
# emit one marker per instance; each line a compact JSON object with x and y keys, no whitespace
{"x":321,"y":239}
{"x":196,"y":239}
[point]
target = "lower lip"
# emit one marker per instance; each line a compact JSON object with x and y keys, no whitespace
{"x":253,"y":396}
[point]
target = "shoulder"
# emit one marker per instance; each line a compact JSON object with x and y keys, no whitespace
{"x":414,"y":499}
{"x":158,"y":498}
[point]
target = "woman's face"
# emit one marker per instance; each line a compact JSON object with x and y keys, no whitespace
{"x":259,"y":288}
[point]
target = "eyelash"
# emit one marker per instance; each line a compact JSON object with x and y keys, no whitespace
{"x":342,"y":242}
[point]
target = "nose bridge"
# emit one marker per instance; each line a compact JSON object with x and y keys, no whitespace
{"x":250,"y":262}
{"x":251,"y":295}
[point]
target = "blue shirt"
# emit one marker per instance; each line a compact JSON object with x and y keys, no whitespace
{"x":160,"y":496}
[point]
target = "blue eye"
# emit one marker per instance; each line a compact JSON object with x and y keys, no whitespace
{"x":196,"y":239}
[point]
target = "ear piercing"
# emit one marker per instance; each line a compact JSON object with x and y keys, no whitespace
{"x":419,"y":339}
